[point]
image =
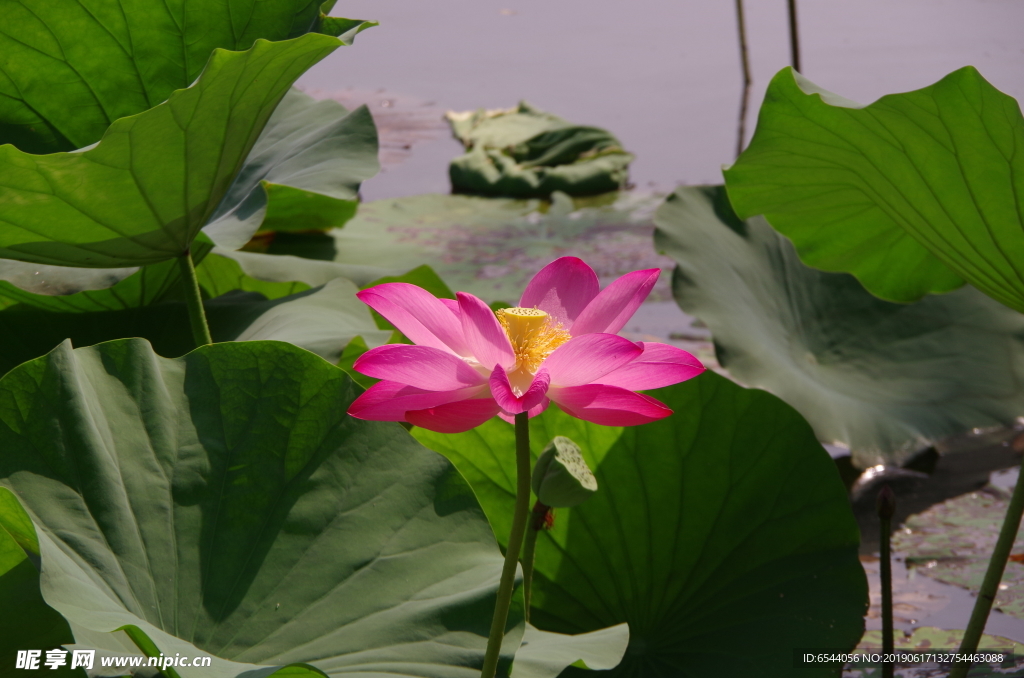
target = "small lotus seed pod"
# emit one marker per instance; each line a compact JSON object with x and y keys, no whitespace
{"x":561,"y":478}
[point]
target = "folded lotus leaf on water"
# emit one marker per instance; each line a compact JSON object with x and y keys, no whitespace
{"x":526,"y":152}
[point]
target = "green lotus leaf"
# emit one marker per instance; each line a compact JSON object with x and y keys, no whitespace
{"x":308,"y":144}
{"x":71,"y":69}
{"x":303,"y":173}
{"x":422,"y":276}
{"x":219,"y":275}
{"x":151,"y":284}
{"x":85,"y":290}
{"x":912,"y":194}
{"x":289,"y":268}
{"x":225,"y":503}
{"x":143,"y":192}
{"x":726,"y":520}
{"x":323,"y":320}
{"x":544,"y":654}
{"x":883,"y":379}
{"x":35,"y":625}
{"x":20,"y":279}
{"x":344,"y":29}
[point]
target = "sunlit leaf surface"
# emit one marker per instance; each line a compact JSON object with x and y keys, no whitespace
{"x":141,"y":195}
{"x":72,"y":68}
{"x":912,"y":194}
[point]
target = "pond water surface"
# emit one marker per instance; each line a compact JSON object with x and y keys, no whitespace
{"x":664,"y":76}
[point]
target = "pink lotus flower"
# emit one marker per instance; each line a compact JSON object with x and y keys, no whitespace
{"x":469,"y":363}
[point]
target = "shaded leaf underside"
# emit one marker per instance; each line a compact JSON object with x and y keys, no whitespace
{"x":883,"y":379}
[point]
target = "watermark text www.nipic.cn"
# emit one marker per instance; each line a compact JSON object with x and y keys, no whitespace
{"x":32,"y":660}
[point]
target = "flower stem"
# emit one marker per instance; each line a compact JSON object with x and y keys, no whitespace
{"x":794,"y":37}
{"x":515,"y":543}
{"x":886,"y":506}
{"x":993,"y":575}
{"x":741,"y":27}
{"x":147,"y":646}
{"x":194,"y":301}
{"x":540,"y":511}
